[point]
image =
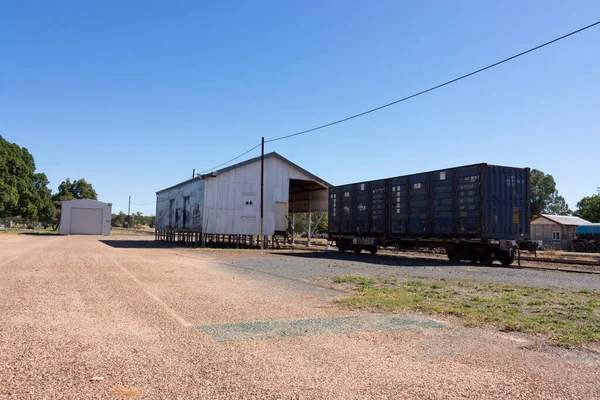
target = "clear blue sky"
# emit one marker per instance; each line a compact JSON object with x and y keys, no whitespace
{"x":133,"y":95}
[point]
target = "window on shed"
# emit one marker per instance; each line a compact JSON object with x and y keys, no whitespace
{"x":555,"y":235}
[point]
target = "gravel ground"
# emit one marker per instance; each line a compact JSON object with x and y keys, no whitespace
{"x":100,"y":318}
{"x":305,"y":265}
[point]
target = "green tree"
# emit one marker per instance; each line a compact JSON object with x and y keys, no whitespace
{"x":118,"y":220}
{"x":78,"y":189}
{"x":544,"y":195}
{"x":589,"y":208}
{"x":46,"y":208}
{"x":23,"y":192}
{"x":558,"y":205}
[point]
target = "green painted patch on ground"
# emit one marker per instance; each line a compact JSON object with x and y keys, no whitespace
{"x":258,"y":330}
{"x":568,"y":318}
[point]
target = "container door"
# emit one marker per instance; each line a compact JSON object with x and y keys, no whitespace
{"x":334,"y":209}
{"x":363,"y":208}
{"x":443,"y":203}
{"x":468,"y":201}
{"x":347,"y":210}
{"x":507,"y":213}
{"x":418,"y":193}
{"x":398,"y":201}
{"x":378,"y":200}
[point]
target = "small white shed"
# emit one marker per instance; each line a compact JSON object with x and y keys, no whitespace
{"x":85,"y":217}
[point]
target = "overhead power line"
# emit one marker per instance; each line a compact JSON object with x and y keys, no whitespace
{"x":408,"y":97}
{"x":233,"y":159}
{"x":143,"y":204}
{"x":432,"y":88}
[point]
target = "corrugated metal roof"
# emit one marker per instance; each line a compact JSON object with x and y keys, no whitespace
{"x":565,"y":220}
{"x":255,"y":159}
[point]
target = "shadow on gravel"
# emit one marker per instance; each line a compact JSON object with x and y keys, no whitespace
{"x":39,"y":233}
{"x":137,"y":244}
{"x":379,"y":259}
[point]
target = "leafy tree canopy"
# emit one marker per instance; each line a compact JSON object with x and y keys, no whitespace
{"x":23,"y":192}
{"x":589,"y":208}
{"x":544,"y":196}
{"x":78,"y":189}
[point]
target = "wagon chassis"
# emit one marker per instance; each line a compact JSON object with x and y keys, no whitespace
{"x":482,"y":251}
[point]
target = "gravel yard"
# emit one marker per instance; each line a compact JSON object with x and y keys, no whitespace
{"x":116,"y":317}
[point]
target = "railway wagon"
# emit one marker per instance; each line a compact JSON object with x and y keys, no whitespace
{"x":476,"y":212}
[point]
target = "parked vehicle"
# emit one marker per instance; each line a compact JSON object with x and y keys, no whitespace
{"x":476,"y":212}
{"x":587,"y":238}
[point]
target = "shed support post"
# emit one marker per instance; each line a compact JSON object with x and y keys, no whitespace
{"x":262,"y":191}
{"x":309,"y":218}
{"x":294,"y":221}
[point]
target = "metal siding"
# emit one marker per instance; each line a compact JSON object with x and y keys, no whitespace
{"x":507,"y":212}
{"x":443,"y":203}
{"x":418,"y":204}
{"x":398,"y":206}
{"x":334,"y":210}
{"x":466,"y":202}
{"x":226,"y":196}
{"x":173,"y":219}
{"x":86,"y":221}
{"x":347,"y":218}
{"x":378,"y":204}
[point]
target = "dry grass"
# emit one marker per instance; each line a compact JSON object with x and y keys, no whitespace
{"x":567,"y":318}
{"x":552,"y":253}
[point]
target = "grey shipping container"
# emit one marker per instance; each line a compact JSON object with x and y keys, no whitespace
{"x":477,"y":212}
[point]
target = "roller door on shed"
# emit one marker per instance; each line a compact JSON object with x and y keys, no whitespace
{"x":86,"y":221}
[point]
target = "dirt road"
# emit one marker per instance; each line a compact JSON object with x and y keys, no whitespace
{"x":84,"y":319}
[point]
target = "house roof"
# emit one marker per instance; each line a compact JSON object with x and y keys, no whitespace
{"x":250,"y":161}
{"x":563,"y":220}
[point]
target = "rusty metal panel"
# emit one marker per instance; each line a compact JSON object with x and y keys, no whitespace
{"x":171,"y":205}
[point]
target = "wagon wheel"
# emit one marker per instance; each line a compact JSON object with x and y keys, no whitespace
{"x":373,"y":250}
{"x":453,"y":254}
{"x":341,"y":246}
{"x":590,"y":247}
{"x":507,"y":259}
{"x":485,"y":256}
{"x":357,"y":250}
{"x":579,"y":246}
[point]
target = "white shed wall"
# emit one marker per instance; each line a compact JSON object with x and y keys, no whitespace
{"x":81,"y":205}
{"x":226,"y":211}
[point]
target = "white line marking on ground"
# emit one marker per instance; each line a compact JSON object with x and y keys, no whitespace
{"x":154,"y":297}
{"x":11,"y":259}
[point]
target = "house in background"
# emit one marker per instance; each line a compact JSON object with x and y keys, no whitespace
{"x":555,"y":231}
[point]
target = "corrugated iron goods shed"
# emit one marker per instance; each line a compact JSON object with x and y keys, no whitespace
{"x":227,"y":201}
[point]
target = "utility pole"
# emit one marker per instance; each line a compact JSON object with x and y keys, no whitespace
{"x":262,"y":182}
{"x":129,"y":213}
